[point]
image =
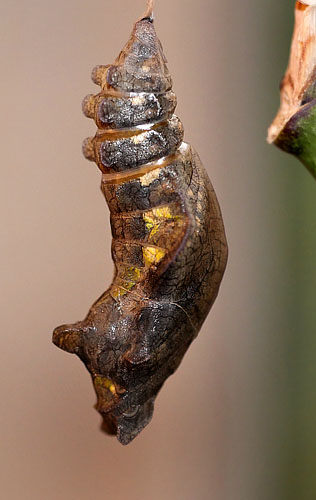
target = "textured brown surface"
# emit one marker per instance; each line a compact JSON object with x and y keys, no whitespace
{"x":169,"y":246}
{"x":220,"y":424}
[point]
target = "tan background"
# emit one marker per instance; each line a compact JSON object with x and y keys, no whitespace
{"x":236,"y":422}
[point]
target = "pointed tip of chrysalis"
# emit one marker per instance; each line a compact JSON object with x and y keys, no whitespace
{"x":141,"y":65}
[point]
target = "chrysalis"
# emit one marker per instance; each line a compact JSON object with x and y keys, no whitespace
{"x":169,"y":246}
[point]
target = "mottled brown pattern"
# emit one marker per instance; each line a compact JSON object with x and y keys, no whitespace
{"x":169,"y":247}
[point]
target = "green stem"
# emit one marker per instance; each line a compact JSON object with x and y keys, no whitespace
{"x":298,"y":137}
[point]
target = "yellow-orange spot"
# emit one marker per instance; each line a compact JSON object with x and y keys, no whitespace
{"x":131,"y":274}
{"x":117,"y":292}
{"x":153,"y":255}
{"x":151,"y":224}
{"x":155,"y":219}
{"x":163,"y":213}
{"x":128,"y":278}
{"x":104,"y":383}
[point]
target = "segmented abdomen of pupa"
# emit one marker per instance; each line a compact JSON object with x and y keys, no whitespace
{"x":169,"y":247}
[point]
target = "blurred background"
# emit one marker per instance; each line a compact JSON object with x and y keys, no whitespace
{"x":238,"y":419}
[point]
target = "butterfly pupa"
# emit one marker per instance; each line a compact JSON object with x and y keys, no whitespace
{"x":169,"y":247}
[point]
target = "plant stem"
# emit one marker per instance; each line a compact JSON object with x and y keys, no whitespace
{"x":294,"y":128}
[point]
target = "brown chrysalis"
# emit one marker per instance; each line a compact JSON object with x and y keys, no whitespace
{"x":169,"y":247}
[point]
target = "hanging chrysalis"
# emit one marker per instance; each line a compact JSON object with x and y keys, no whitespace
{"x":169,"y":247}
{"x":294,"y":128}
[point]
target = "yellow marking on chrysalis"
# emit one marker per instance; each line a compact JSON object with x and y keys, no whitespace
{"x":151,"y":224}
{"x":132,"y":274}
{"x":129,"y":279}
{"x":163,"y":213}
{"x":117,"y":292}
{"x":105,"y":383}
{"x":149,"y":221}
{"x":154,"y":219}
{"x":153,"y":255}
